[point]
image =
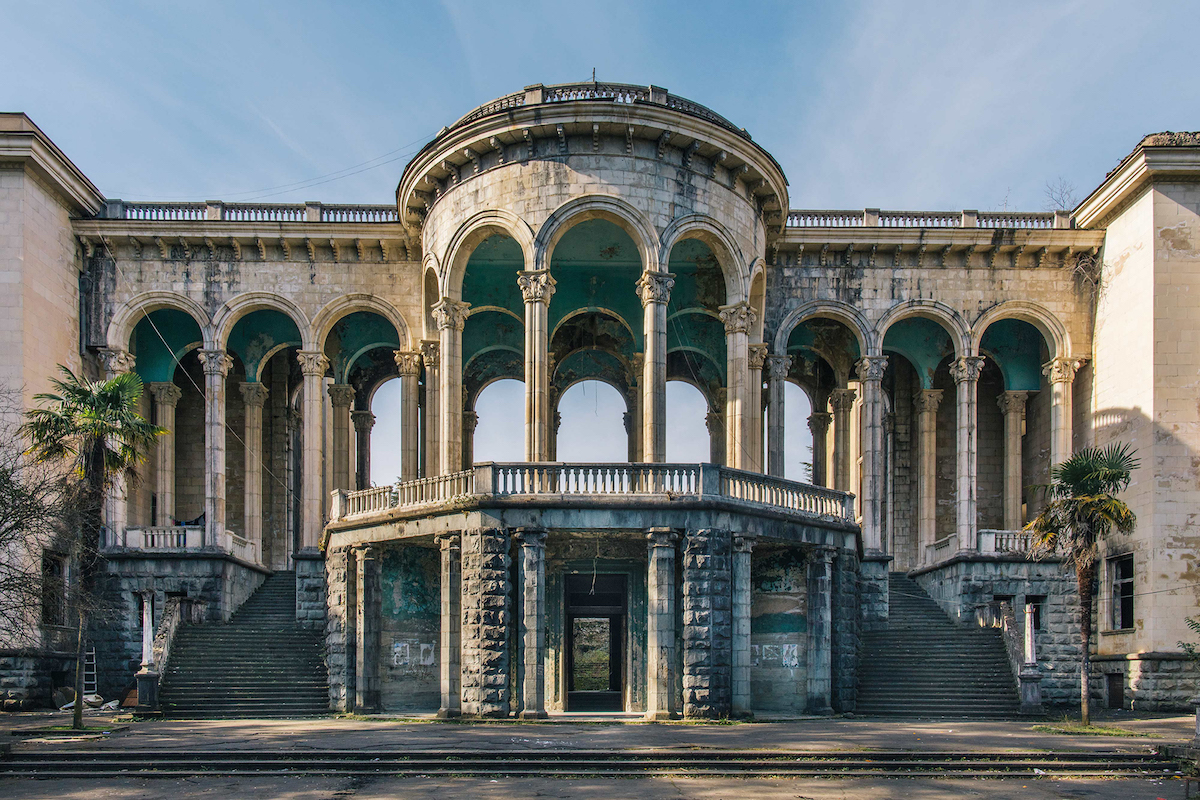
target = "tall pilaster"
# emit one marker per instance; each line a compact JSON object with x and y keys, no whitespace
{"x":927,"y":402}
{"x":842,"y":402}
{"x":408,"y":365}
{"x":537,"y":288}
{"x":216,"y":365}
{"x":532,"y":629}
{"x":451,"y":318}
{"x":367,"y":615}
{"x":431,"y":353}
{"x":254,"y":396}
{"x":313,"y":365}
{"x":965,"y":372}
{"x":1012,"y":405}
{"x":166,"y":398}
{"x":738,"y":319}
{"x":341,"y":396}
{"x":818,"y":424}
{"x":451,"y":621}
{"x":870,"y":371}
{"x":742,"y":588}
{"x":778,"y":368}
{"x":756,"y":359}
{"x":661,"y":700}
{"x":363,"y":422}
{"x":654,"y":290}
{"x":116,"y":502}
{"x":1061,"y":374}
{"x":820,"y":631}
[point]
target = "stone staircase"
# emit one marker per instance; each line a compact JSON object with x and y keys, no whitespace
{"x":259,"y":664}
{"x":925,"y":665}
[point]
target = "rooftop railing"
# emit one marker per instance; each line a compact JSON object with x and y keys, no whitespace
{"x":875,"y":218}
{"x":596,"y":480}
{"x":215,"y":210}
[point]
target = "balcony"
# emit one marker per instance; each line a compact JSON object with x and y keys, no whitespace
{"x":173,"y":540}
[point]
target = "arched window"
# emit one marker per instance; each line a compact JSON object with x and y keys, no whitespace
{"x":500,"y":431}
{"x":687,"y":430}
{"x":593,"y":425}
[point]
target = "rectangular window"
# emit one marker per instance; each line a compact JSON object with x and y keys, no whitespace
{"x":54,"y":589}
{"x":1038,"y":601}
{"x":1121,"y":571}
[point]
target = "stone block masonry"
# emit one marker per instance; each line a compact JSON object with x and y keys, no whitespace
{"x":486,"y":660}
{"x":707,"y":624}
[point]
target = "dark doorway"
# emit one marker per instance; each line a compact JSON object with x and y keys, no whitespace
{"x":595,"y":642}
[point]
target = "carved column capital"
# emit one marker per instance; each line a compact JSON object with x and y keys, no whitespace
{"x":431,"y":353}
{"x":313,"y":363}
{"x":655,"y":287}
{"x":871,"y":368}
{"x":408,"y":362}
{"x":449,"y":313}
{"x":470,"y":420}
{"x":661,"y":537}
{"x":165,"y":394}
{"x":451,"y":540}
{"x":757,"y":356}
{"x":818,"y":422}
{"x":738,"y":317}
{"x":537,"y":286}
{"x":116,"y":361}
{"x":1012,"y":402}
{"x":966,"y":368}
{"x":215,"y":362}
{"x":530,"y":537}
{"x":1062,"y":370}
{"x":363,"y":421}
{"x":341,"y":395}
{"x":842,"y":399}
{"x":927,"y":400}
{"x":743,"y":544}
{"x":254,"y":393}
{"x":778,"y":367}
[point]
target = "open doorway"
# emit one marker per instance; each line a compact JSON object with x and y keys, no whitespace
{"x":596,"y":607}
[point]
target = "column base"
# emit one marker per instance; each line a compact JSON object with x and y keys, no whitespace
{"x":448,"y":713}
{"x":532,"y":715}
{"x":655,"y":716}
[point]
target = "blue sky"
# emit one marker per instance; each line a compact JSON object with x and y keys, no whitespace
{"x":903,"y":105}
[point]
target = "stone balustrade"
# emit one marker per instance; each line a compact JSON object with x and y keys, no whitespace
{"x":248,"y":212}
{"x":188,"y":537}
{"x":874,"y":218}
{"x":597,"y":480}
{"x":995,"y":541}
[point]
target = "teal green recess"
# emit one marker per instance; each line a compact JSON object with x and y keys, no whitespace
{"x":1016,"y":347}
{"x":356,"y":335}
{"x":160,"y":339}
{"x":923,"y":342}
{"x":259,"y":335}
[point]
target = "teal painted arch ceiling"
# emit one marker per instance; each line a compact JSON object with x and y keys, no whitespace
{"x":160,"y":339}
{"x":259,"y":335}
{"x":1019,"y":350}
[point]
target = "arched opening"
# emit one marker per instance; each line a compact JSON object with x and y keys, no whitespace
{"x":592,"y":425}
{"x":824,"y":352}
{"x":798,"y":437}
{"x":387,"y":404}
{"x":497,"y":438}
{"x":688,"y":424}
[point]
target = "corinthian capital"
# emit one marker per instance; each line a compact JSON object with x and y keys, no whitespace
{"x":927,"y":400}
{"x":757,"y":356}
{"x":536,"y":286}
{"x":871,"y":368}
{"x":313,"y":363}
{"x":966,"y":368}
{"x":116,"y":361}
{"x":1062,"y":370}
{"x":738,"y":318}
{"x":430,"y":353}
{"x":215,"y":362}
{"x":655,"y":287}
{"x":778,"y":367}
{"x":842,"y":399}
{"x":408,"y":362}
{"x":1012,"y":402}
{"x":450,"y":314}
{"x":165,"y":393}
{"x":254,"y":393}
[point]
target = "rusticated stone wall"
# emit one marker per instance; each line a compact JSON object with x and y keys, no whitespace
{"x":486,"y":658}
{"x":707,"y":624}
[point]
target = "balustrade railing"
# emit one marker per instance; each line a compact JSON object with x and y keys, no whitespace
{"x":994,"y":541}
{"x":356,"y":213}
{"x":825,"y":219}
{"x":179,"y":537}
{"x":1016,"y":219}
{"x":874,"y":218}
{"x":249,"y":212}
{"x":261,"y":212}
{"x":165,"y":212}
{"x":597,"y":480}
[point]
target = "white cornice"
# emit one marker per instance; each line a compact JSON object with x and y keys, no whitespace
{"x":1144,"y":167}
{"x":23,"y":142}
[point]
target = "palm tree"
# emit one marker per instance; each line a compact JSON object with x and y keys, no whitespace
{"x":1081,"y":510}
{"x":95,"y":427}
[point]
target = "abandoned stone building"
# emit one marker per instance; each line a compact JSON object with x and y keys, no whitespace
{"x":620,"y":234}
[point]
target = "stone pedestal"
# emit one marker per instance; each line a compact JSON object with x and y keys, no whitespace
{"x":367,"y":611}
{"x":707,"y":625}
{"x":531,"y":631}
{"x":485,"y":621}
{"x":1030,"y":680}
{"x":820,"y":631}
{"x":660,"y":635}
{"x":311,"y":610}
{"x":451,"y":622}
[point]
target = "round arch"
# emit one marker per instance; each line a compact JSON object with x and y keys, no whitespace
{"x":581,"y":209}
{"x":236,"y":308}
{"x":1052,"y":330}
{"x":470,"y":234}
{"x":130,"y":313}
{"x":844,"y":313}
{"x":718,"y":239}
{"x":943,"y":315}
{"x":607,"y":312}
{"x":348,"y":304}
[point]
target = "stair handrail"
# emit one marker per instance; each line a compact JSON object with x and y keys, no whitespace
{"x":176,"y":612}
{"x":1019,"y":646}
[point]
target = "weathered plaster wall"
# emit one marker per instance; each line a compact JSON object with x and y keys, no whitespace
{"x":410,"y":629}
{"x":778,"y":631}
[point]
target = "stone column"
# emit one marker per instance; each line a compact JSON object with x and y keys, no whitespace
{"x":350,"y":628}
{"x":661,"y":702}
{"x":431,"y":356}
{"x":870,"y":371}
{"x":532,"y":629}
{"x":485,"y":623}
{"x":820,"y":631}
{"x":637,"y":369}
{"x":927,"y":402}
{"x":470,"y":421}
{"x":715,"y":422}
{"x":654,"y":290}
{"x":116,"y":502}
{"x":363,"y":422}
{"x":254,"y":395}
{"x":450,"y":668}
{"x":313,"y":365}
{"x":842,"y":401}
{"x":818,"y":423}
{"x":216,"y":365}
{"x":756,"y":359}
{"x":631,"y":449}
{"x":166,"y":397}
{"x":408,"y":365}
{"x":738,"y":319}
{"x":537,"y":287}
{"x":742,"y":587}
{"x":367,"y":616}
{"x":1012,"y":405}
{"x":341,"y":396}
{"x":1061,"y":374}
{"x":451,"y":318}
{"x":965,"y":372}
{"x":778,"y":368}
{"x":707,"y":624}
